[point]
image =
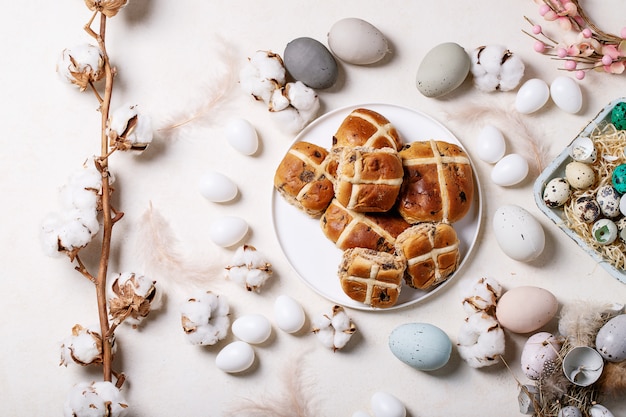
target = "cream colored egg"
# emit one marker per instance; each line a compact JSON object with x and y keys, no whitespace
{"x":526,"y":309}
{"x":356,"y":41}
{"x":510,"y":170}
{"x":518,"y":233}
{"x":228,"y":230}
{"x":579,"y":175}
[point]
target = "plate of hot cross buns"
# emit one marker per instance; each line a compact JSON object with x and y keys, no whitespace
{"x":376,"y":206}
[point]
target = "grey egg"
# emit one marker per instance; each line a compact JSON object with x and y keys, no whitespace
{"x":611,"y":339}
{"x":587,"y":209}
{"x":309,"y":61}
{"x":608,"y":199}
{"x":570,"y":411}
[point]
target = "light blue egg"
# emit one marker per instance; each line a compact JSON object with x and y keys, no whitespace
{"x":421,"y":345}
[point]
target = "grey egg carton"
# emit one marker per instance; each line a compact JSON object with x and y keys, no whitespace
{"x":557,"y":169}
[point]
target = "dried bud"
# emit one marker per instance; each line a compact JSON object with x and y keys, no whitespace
{"x":249,"y":268}
{"x":334,"y":332}
{"x":132,"y":298}
{"x":109,"y":8}
{"x":95,"y":399}
{"x":205,"y":318}
{"x":81,"y":65}
{"x":84,"y":346}
{"x":128,"y":129}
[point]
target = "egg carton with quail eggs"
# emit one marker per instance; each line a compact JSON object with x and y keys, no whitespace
{"x":581,"y":190}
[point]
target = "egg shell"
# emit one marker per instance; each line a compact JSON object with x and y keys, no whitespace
{"x":235,"y":357}
{"x":583,"y":149}
{"x":532,"y":96}
{"x":217,"y":187}
{"x":622,"y":205}
{"x":609,"y":200}
{"x":566,"y":94}
{"x":582,"y":365}
{"x":557,"y":192}
{"x":309,"y":61}
{"x":356,"y":41}
{"x":587,"y":209}
{"x":252,"y":328}
{"x":442,"y":70}
{"x":518,"y":233}
{"x":490,"y":145}
{"x":384,"y":404}
{"x":579,"y":175}
{"x":570,"y":411}
{"x":539,"y":349}
{"x":421,"y":345}
{"x":598,"y":410}
{"x":611,"y":339}
{"x":526,"y":309}
{"x":228,"y":230}
{"x":288,"y":314}
{"x":510,"y":170}
{"x":242,"y":136}
{"x":604,"y":231}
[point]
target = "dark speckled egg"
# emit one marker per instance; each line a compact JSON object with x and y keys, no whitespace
{"x":309,"y":61}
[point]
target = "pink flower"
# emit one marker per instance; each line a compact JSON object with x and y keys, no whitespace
{"x":610,"y":50}
{"x":614,"y":68}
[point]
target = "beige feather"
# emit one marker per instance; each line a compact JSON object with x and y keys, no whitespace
{"x":160,"y":250}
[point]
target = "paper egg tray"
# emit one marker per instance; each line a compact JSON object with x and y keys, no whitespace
{"x":557,"y":169}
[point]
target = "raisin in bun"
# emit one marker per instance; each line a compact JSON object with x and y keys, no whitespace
{"x":371,"y":277}
{"x":349,"y":229}
{"x":368,"y":179}
{"x":364,"y":127}
{"x":431,"y":251}
{"x":302,"y":180}
{"x":438,"y":183}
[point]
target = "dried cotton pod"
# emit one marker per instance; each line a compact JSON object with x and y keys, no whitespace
{"x":482,"y":295}
{"x":249,"y":268}
{"x":264,"y":73}
{"x":495,"y":68}
{"x":132,"y":297}
{"x":109,"y":8}
{"x":84,"y":346}
{"x":481,"y":340}
{"x":335,"y":331}
{"x":95,"y":399}
{"x":205,"y":318}
{"x":81,"y":65}
{"x":128,"y":129}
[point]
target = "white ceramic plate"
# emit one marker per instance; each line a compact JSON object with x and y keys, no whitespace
{"x":315,"y":258}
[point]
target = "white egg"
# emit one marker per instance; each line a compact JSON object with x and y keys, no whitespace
{"x":518,"y":233}
{"x":288,"y":314}
{"x":242,"y":136}
{"x":252,"y":328}
{"x":490,"y":146}
{"x":539,"y":349}
{"x":386,"y":405}
{"x":228,"y":230}
{"x":510,"y":170}
{"x":532,"y":96}
{"x":598,"y":410}
{"x":217,"y":187}
{"x":356,"y":41}
{"x":360,"y":413}
{"x":622,"y":205}
{"x":566,"y":94}
{"x":235,"y":357}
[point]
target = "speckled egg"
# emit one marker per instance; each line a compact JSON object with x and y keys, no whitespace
{"x":608,"y":199}
{"x":356,"y":41}
{"x":442,"y":70}
{"x":586,"y":209}
{"x":570,"y":411}
{"x":618,"y":178}
{"x":557,"y":192}
{"x":618,"y":116}
{"x":604,"y":231}
{"x":526,"y":309}
{"x":518,"y":233}
{"x":538,"y":352}
{"x":309,"y":61}
{"x":421,"y":345}
{"x":598,"y":410}
{"x":579,"y":175}
{"x":611,"y":339}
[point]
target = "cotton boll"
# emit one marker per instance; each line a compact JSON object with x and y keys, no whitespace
{"x":83,"y":346}
{"x":249,"y":268}
{"x":132,"y":297}
{"x":482,"y":295}
{"x":495,"y":68}
{"x":264,"y":73}
{"x":481,"y":340}
{"x":334,"y":331}
{"x":128,"y":129}
{"x":95,"y":399}
{"x":205,"y":319}
{"x":81,"y":65}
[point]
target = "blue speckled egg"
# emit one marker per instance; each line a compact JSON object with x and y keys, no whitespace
{"x":611,"y":339}
{"x":421,"y":345}
{"x":618,"y":178}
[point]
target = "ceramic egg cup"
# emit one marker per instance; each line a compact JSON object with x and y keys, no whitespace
{"x":557,"y":169}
